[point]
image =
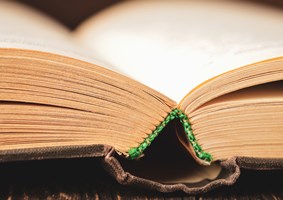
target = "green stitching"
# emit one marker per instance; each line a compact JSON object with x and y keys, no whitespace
{"x":174,"y":114}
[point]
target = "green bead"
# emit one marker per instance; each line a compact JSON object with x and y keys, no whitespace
{"x":207,"y":157}
{"x":201,"y":156}
{"x":143,"y":146}
{"x":167,"y":119}
{"x":159,"y":129}
{"x":182,"y":116}
{"x":191,"y":137}
{"x":132,"y":151}
{"x":186,"y":125}
{"x":152,"y":137}
{"x":175,"y":111}
{"x":198,"y":153}
{"x":197,"y":147}
{"x":189,"y":131}
{"x":147,"y":141}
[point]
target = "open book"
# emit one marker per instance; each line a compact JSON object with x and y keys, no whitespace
{"x":110,"y":83}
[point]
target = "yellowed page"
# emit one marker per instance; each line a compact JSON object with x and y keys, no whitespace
{"x":247,"y":123}
{"x":172,"y":46}
{"x":25,"y":28}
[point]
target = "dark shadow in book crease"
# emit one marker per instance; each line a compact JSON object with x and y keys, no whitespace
{"x":166,"y":161}
{"x":167,"y":167}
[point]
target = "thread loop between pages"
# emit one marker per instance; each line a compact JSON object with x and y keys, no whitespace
{"x":174,"y":114}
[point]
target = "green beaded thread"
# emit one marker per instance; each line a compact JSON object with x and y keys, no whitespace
{"x":174,"y":114}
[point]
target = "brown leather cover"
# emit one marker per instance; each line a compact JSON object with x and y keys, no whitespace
{"x":228,"y":176}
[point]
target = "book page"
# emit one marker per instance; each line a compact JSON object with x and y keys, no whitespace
{"x":173,"y":46}
{"x":25,"y":28}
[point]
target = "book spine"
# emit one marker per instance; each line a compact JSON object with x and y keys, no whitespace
{"x":182,"y":117}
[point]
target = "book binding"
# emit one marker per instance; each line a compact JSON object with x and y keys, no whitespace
{"x":182,"y":117}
